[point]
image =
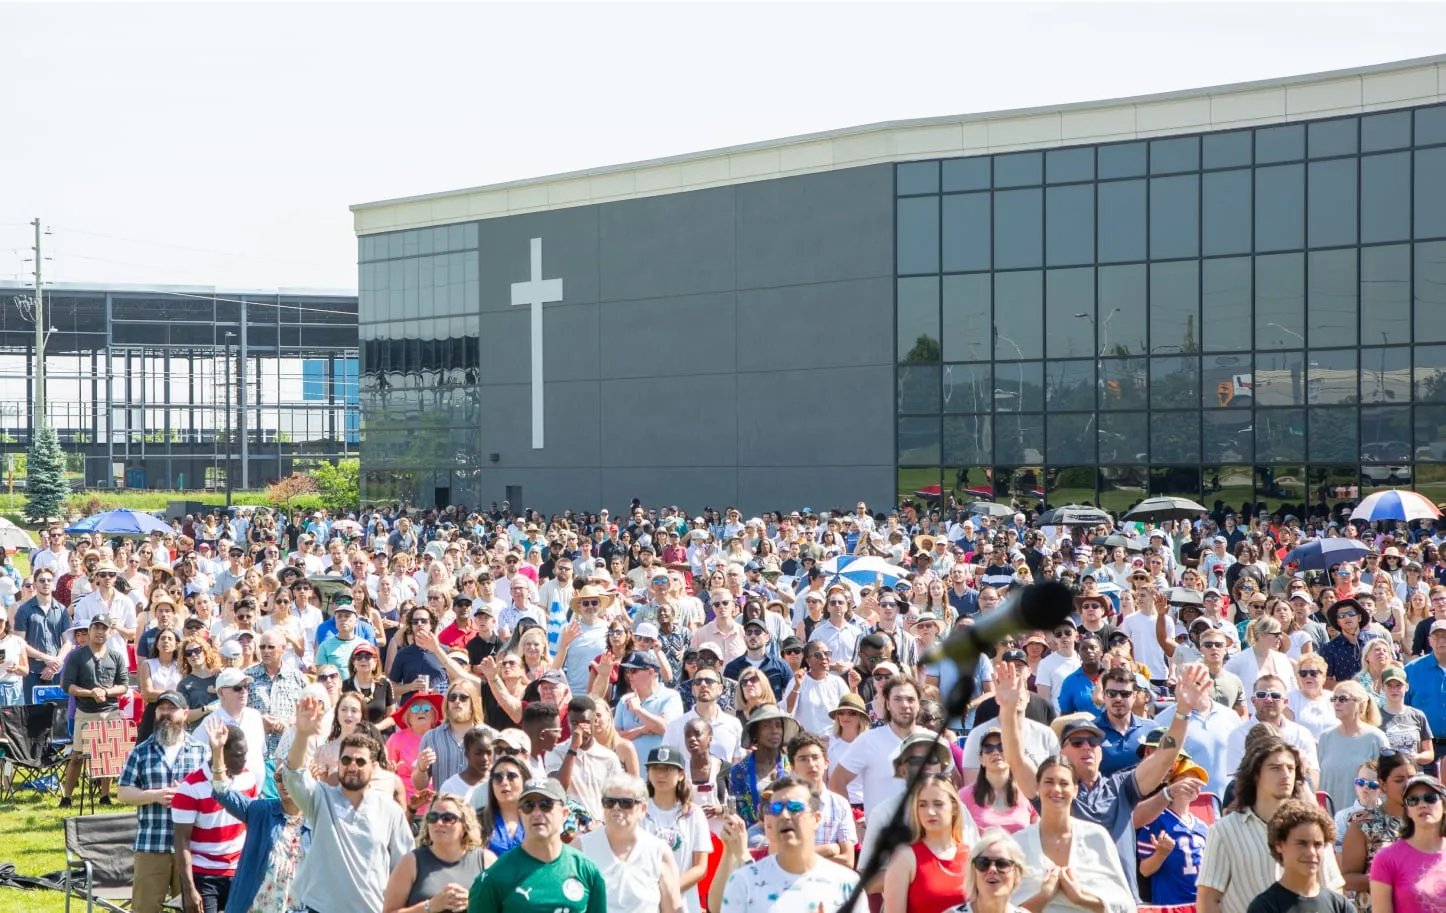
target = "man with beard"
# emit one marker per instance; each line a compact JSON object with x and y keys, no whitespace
{"x":870,"y":755}
{"x":359,"y":834}
{"x":152,"y":772}
{"x":209,"y":838}
{"x":442,"y":755}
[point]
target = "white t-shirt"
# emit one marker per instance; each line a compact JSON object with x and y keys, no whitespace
{"x":475,"y":796}
{"x":1052,"y":670}
{"x":1037,"y":740}
{"x":870,"y":757}
{"x":14,"y":666}
{"x":837,"y":748}
{"x":764,"y":887}
{"x":250,"y":724}
{"x":816,"y":699}
{"x":684,"y":834}
{"x":1141,"y":628}
{"x":727,"y":735}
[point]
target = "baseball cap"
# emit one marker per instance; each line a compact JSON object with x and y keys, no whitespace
{"x":485,"y":608}
{"x":1437,"y":626}
{"x":755,"y":623}
{"x":553,"y":677}
{"x":231,"y":649}
{"x":103,"y":620}
{"x":666,"y":756}
{"x":640,"y":660}
{"x":647,"y":629}
{"x":176,"y":698}
{"x":790,"y":644}
{"x":1014,"y":656}
{"x":546,"y":787}
{"x":1394,"y":674}
{"x":711,"y":648}
{"x":230,"y":678}
{"x":1076,"y":723}
{"x":515,"y":739}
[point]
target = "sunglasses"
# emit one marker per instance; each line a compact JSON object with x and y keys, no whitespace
{"x":329,"y":677}
{"x":1213,"y":645}
{"x":793,"y":807}
{"x":528,"y":806}
{"x":504,"y":776}
{"x":1431,"y":798}
{"x":194,"y":651}
{"x":1348,"y":613}
{"x":1309,"y":673}
{"x":455,"y":698}
{"x":1368,"y":784}
{"x":1115,"y":692}
{"x":443,"y":817}
{"x":1083,"y":741}
{"x":991,"y":748}
{"x":626,"y":803}
{"x":354,"y":761}
{"x":985,"y":863}
{"x":1337,"y":698}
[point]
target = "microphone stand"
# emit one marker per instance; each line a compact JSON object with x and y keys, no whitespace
{"x":896,"y":833}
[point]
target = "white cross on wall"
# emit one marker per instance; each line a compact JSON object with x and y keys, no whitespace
{"x":536,"y":291}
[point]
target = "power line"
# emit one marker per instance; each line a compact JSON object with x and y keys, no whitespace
{"x":200,"y":250}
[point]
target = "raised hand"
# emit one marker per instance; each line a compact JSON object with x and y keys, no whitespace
{"x":309,"y":713}
{"x":1193,"y":686}
{"x":735,"y":835}
{"x":216,"y":732}
{"x":1008,"y":686}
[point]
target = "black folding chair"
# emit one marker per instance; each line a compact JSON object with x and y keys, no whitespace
{"x":32,"y":758}
{"x":100,"y":860}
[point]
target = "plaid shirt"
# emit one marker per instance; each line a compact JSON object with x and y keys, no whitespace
{"x":274,"y":697}
{"x":146,"y":768}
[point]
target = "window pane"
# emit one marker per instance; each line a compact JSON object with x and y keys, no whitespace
{"x":966,"y":317}
{"x":1332,"y":378}
{"x":968,"y":440}
{"x":1069,"y":313}
{"x":1386,"y":375}
{"x":1225,"y":323}
{"x":1226,"y":150}
{"x":1226,"y":382}
{"x":1431,"y":433}
{"x":1121,"y":221}
{"x":1228,"y":437}
{"x":1175,"y":307}
{"x":1332,"y":137}
{"x":967,"y":174}
{"x":1018,"y":228}
{"x":1122,"y":310}
{"x":1069,"y":235}
{"x":1019,"y":306}
{"x":1431,"y":125}
{"x":966,"y":232}
{"x":1227,"y":211}
{"x":1175,"y":382}
{"x":1168,"y":156}
{"x":1124,"y":437}
{"x":917,"y":177}
{"x":1430,"y":192}
{"x":1019,"y":438}
{"x":1175,"y":437}
{"x":1123,"y":383}
{"x":1279,"y":207}
{"x":1430,"y":374}
{"x":1280,"y":144}
{"x":1071,"y":439}
{"x":1331,"y":301}
{"x":1019,"y":169}
{"x":918,"y":247}
{"x":1018,"y":387}
{"x":968,"y":388}
{"x":1070,"y":385}
{"x":1386,"y":436}
{"x":1064,"y":165}
{"x":1279,"y":379}
{"x":1279,"y":301}
{"x":1386,"y":131}
{"x":918,"y":389}
{"x":1333,"y":435}
{"x":1386,"y":294}
{"x":1279,"y":435}
{"x":1431,"y":292}
{"x":1122,"y":160}
{"x":1174,"y":217}
{"x":1332,"y":203}
{"x":1386,"y":197}
{"x":918,"y":320}
{"x":919,"y":441}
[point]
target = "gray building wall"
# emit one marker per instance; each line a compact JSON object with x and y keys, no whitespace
{"x":731,"y":345}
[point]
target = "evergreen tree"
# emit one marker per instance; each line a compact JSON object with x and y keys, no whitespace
{"x":46,"y":487}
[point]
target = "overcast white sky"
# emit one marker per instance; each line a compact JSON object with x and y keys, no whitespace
{"x":222,"y":143}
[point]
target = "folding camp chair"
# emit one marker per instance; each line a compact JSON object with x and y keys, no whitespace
{"x":105,"y":745}
{"x":100,"y":860}
{"x":32,"y":759}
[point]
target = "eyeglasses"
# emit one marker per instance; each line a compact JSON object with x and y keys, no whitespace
{"x":504,"y":776}
{"x":1368,"y":784}
{"x":528,"y":806}
{"x":792,"y":806}
{"x":626,"y":803}
{"x":1115,"y":692}
{"x":589,"y":602}
{"x":1086,"y":741}
{"x":985,"y":863}
{"x":443,"y":817}
{"x":354,"y":761}
{"x":1431,"y":798}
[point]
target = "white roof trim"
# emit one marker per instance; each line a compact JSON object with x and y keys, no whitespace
{"x":1336,"y":93}
{"x":124,"y":288}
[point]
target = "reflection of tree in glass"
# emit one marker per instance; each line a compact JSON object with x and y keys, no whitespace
{"x":926,"y":350}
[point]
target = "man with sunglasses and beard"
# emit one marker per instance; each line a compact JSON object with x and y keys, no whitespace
{"x":541,"y":873}
{"x":359,"y":834}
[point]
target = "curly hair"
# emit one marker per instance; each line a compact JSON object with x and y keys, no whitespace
{"x":471,"y":827}
{"x":1291,"y":815}
{"x":213,"y":659}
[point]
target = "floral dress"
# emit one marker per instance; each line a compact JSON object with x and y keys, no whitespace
{"x":1379,"y":830}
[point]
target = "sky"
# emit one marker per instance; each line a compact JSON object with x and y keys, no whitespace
{"x":222,"y":144}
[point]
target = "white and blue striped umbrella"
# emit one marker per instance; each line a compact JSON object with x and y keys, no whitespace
{"x":1395,"y":504}
{"x":865,"y":569}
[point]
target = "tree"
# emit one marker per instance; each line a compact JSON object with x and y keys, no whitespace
{"x":46,"y":487}
{"x":293,"y":486}
{"x":339,"y":484}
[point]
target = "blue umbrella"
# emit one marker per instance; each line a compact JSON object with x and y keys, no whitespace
{"x":1320,"y":554}
{"x":120,"y":522}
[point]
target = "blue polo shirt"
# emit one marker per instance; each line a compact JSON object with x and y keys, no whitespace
{"x":1426,"y":690}
{"x":1077,"y":693}
{"x":1120,"y":751}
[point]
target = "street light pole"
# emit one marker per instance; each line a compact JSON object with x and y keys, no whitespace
{"x":227,"y":343}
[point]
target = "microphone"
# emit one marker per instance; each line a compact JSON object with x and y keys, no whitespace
{"x":1039,"y":606}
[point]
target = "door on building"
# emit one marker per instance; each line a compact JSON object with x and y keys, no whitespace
{"x":443,"y":496}
{"x":514,"y":496}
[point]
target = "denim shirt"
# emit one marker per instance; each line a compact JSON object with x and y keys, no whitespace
{"x":264,"y":823}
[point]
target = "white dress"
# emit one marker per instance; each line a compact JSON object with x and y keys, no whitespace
{"x":1094,"y":860}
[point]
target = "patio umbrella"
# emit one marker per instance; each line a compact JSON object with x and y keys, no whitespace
{"x":1165,"y":509}
{"x":1183,"y":595}
{"x":13,"y":537}
{"x":347,"y":527}
{"x":120,"y":522}
{"x":1075,"y":515}
{"x":1396,"y":505}
{"x":865,"y":569}
{"x":991,"y":509}
{"x":930,"y":492}
{"x":1320,"y":554}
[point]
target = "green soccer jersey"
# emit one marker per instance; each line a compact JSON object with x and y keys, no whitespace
{"x":519,"y":882}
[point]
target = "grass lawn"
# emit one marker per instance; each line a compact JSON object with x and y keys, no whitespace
{"x":33,"y":841}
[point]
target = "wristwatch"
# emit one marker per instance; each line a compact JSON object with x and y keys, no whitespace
{"x":427,"y":906}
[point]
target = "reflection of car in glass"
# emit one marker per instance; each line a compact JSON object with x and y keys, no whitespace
{"x":1396,"y":454}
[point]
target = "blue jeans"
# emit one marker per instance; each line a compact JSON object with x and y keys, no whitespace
{"x":10,"y":694}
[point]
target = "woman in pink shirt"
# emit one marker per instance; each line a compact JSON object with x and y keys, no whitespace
{"x":993,"y":799}
{"x":418,"y":713}
{"x":1409,"y":875}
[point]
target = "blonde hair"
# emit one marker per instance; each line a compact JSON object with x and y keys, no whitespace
{"x":942,"y":781}
{"x":471,"y":827}
{"x":1005,"y":845}
{"x":1369,"y":713}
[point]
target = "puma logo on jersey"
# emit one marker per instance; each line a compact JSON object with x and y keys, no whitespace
{"x":526,"y":894}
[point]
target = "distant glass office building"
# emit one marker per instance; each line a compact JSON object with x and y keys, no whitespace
{"x":139,"y":380}
{"x":1235,"y":294}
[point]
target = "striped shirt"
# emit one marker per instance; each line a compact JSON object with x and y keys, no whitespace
{"x":1238,"y":864}
{"x":216,"y":836}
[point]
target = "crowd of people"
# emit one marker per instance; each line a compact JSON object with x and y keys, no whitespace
{"x":440,"y":711}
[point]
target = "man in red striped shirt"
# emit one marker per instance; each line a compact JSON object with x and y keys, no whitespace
{"x":208,"y":838}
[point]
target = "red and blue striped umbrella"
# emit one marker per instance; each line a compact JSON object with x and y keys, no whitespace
{"x":1395,"y":505}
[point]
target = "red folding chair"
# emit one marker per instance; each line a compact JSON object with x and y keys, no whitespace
{"x":1170,"y":908}
{"x":1326,"y":802}
{"x":1206,"y":807}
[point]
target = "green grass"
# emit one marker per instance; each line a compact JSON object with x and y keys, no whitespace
{"x":34,"y":842}
{"x":83,"y":501}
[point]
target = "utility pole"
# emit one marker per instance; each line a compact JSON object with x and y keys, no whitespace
{"x":39,"y":407}
{"x":227,"y":341}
